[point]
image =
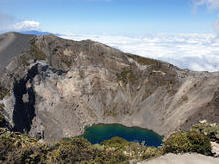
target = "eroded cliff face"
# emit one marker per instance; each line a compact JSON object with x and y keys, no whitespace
{"x":60,"y":86}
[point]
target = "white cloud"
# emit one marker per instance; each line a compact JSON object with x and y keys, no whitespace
{"x":198,"y":52}
{"x":11,"y":23}
{"x":211,"y":4}
{"x":26,"y":25}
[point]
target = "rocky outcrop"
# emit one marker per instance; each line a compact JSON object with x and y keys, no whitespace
{"x":60,"y":86}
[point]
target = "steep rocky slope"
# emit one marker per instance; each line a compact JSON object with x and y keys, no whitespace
{"x":57,"y":87}
{"x":12,"y":44}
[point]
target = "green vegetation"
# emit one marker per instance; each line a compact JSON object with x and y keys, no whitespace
{"x":3,"y":92}
{"x":20,"y":148}
{"x":37,"y":53}
{"x":24,"y":60}
{"x":209,"y":129}
{"x":130,"y":150}
{"x":73,"y":149}
{"x":116,"y":142}
{"x":111,"y":113}
{"x":185,"y":98}
{"x":66,"y":60}
{"x":144,"y":61}
{"x":1,"y":107}
{"x":182,"y":142}
{"x":126,"y":76}
{"x":2,"y":118}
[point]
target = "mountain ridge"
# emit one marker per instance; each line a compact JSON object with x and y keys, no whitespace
{"x":58,"y":86}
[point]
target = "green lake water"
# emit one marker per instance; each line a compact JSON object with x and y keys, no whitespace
{"x":98,"y":133}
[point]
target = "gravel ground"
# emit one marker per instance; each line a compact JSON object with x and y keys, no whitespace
{"x":183,"y":159}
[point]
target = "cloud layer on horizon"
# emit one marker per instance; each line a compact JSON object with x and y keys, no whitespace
{"x":198,"y":52}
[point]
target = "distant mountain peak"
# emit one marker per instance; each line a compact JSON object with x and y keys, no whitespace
{"x":35,"y":32}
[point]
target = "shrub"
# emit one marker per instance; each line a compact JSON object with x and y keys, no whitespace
{"x":72,"y":149}
{"x":150,"y":152}
{"x":24,"y":60}
{"x":116,"y":142}
{"x":209,"y":129}
{"x":127,"y":75}
{"x":37,"y":53}
{"x":122,"y":149}
{"x":199,"y":143}
{"x":114,"y":149}
{"x":2,"y":118}
{"x":19,"y":148}
{"x":79,"y":150}
{"x":3,"y":92}
{"x":144,"y":61}
{"x":181,"y":142}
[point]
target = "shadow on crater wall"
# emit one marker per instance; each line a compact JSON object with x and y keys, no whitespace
{"x":24,"y":112}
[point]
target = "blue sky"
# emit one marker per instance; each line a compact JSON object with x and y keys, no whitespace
{"x":113,"y":16}
{"x":182,"y":32}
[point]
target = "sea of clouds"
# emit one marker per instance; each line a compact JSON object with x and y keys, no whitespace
{"x":198,"y":52}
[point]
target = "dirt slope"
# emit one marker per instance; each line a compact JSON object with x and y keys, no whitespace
{"x":11,"y":45}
